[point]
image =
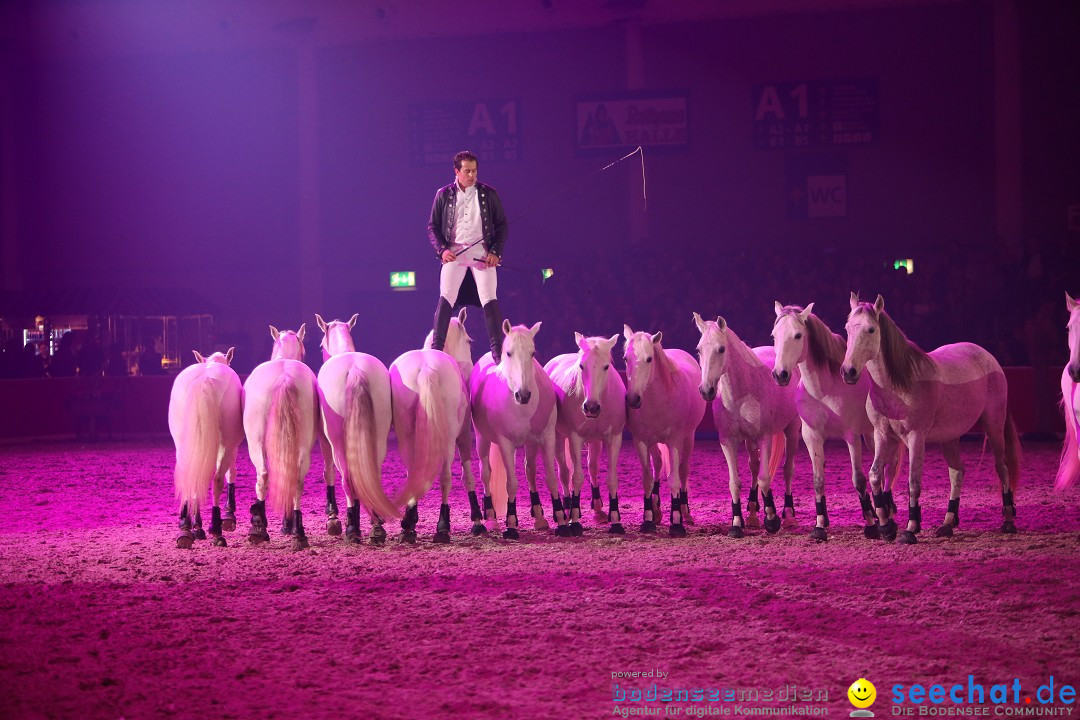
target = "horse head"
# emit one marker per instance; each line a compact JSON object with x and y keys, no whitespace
{"x":1074,"y":338}
{"x":337,"y":336}
{"x":224,"y":358}
{"x":594,"y":361}
{"x":712,"y":353}
{"x":517,"y":365}
{"x":640,"y":351}
{"x":789,"y":340}
{"x":458,"y":344}
{"x":288,"y":345}
{"x":863,"y":337}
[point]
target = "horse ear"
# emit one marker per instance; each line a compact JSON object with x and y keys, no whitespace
{"x":506,"y":327}
{"x":274,"y":333}
{"x":806,"y":312}
{"x":1069,"y":302}
{"x":879,"y":304}
{"x":627,"y":332}
{"x":854,"y":300}
{"x":320,"y":322}
{"x":229,"y":356}
{"x":657,"y":338}
{"x":699,"y":322}
{"x":301,"y":331}
{"x":352,"y":320}
{"x":777,"y":307}
{"x":198,"y":356}
{"x":612,"y":341}
{"x":579,"y":340}
{"x":535,"y":329}
{"x":721,"y":323}
{"x":461,"y":316}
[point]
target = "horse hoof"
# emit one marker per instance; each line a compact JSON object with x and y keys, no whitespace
{"x":616,"y":529}
{"x":228,"y":524}
{"x":408,"y":536}
{"x":562,"y":531}
{"x":772,"y":525}
{"x":600,"y":516}
{"x":541,"y":524}
{"x":576,"y":530}
{"x":353,"y":538}
{"x":333,"y":526}
{"x":492,"y":526}
{"x":944,"y":531}
{"x":185,"y":540}
{"x":378,"y":536}
{"x":1008,"y":527}
{"x":219,"y":541}
{"x":752,"y":521}
{"x":258,"y":538}
{"x":676,"y":530}
{"x":648,"y":527}
{"x":906,"y":537}
{"x":478,"y":529}
{"x":198,"y":534}
{"x":300,"y":542}
{"x":790,"y":523}
{"x":442,"y":537}
{"x":871,"y":532}
{"x":888,"y":530}
{"x":735,"y":532}
{"x":511,"y":534}
{"x":819,"y":534}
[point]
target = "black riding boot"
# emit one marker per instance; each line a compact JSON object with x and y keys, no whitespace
{"x":494,"y":321}
{"x":442,"y":323}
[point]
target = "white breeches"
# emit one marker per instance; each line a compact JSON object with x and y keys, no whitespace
{"x":454,"y":272}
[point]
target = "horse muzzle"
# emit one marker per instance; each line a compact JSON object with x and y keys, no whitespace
{"x":522,"y":397}
{"x":591,"y":409}
{"x":633,"y":401}
{"x":782,"y":378}
{"x":708,"y":394}
{"x":850,"y":375}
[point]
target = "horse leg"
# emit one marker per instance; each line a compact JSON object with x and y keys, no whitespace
{"x":333,"y":523}
{"x":464,"y":449}
{"x":442,"y":529}
{"x":227,"y":473}
{"x":507,"y":452}
{"x":731,"y":454}
{"x":815,"y":447}
{"x":258,"y":532}
{"x":547,"y":452}
{"x":594,"y":449}
{"x":951,"y":451}
{"x":648,"y":522}
{"x":1000,"y":445}
{"x":215,"y":527}
{"x":675,"y":516}
{"x":614,"y":445}
{"x":352,"y":521}
{"x":871,"y":530}
{"x":752,"y":505}
{"x":884,"y":447}
{"x":185,"y":539}
{"x":791,"y":446}
{"x":491,"y":522}
{"x":409,"y":521}
{"x":578,"y":478}
{"x":536,"y":509}
{"x":764,"y":481}
{"x":916,"y":455}
{"x":658,"y":464}
{"x":684,"y":480}
{"x":563,"y":466}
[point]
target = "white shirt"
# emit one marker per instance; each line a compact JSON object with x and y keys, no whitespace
{"x":468,"y":227}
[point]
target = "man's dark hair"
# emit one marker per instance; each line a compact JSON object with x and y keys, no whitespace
{"x":462,"y":157}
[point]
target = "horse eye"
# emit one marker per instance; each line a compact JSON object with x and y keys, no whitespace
{"x":533,"y":353}
{"x":721,"y":350}
{"x":648,"y":360}
{"x":798,"y":336}
{"x":509,"y":354}
{"x":606,"y":367}
{"x":870,"y":330}
{"x":581,"y":366}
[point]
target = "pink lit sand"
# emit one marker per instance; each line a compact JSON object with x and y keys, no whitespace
{"x":102,"y":617}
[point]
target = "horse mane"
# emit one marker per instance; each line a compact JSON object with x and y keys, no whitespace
{"x":747,"y":353}
{"x":904,"y":360}
{"x":665,"y":363}
{"x":825,"y":349}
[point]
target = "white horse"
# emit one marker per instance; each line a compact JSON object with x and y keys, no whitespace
{"x":431,"y":405}
{"x":1069,"y":467}
{"x":205,"y":421}
{"x":592,"y":410}
{"x":829,"y":407}
{"x":663,"y":413}
{"x":281,"y":415}
{"x":513,"y":404}
{"x":918,"y":397}
{"x":354,"y":393}
{"x":459,"y":346}
{"x":754,"y":411}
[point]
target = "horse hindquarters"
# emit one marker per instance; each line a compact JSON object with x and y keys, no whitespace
{"x":1069,"y":466}
{"x":197,"y":438}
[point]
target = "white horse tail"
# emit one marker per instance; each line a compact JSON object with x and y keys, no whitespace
{"x":361,"y":447}
{"x":777,"y":448}
{"x":898,"y":461}
{"x":431,"y":435}
{"x":197,"y":447}
{"x":1012,"y":451}
{"x":497,"y":481}
{"x":665,"y":460}
{"x":1069,"y":466}
{"x":283,"y":445}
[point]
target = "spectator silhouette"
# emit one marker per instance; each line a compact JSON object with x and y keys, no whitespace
{"x":64,"y":362}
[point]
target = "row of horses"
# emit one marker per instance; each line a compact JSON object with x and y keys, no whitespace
{"x":811,"y":383}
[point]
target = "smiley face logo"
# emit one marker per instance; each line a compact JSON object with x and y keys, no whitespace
{"x":862,"y":693}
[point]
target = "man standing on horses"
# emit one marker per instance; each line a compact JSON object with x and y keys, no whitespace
{"x":468,"y":230}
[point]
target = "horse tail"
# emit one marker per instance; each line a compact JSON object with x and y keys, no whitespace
{"x":1012,"y":451}
{"x":497,"y":480}
{"x":1069,"y":466}
{"x":431,"y":436}
{"x":197,"y":446}
{"x":777,"y":448}
{"x":898,"y":461}
{"x":283,"y":445}
{"x":665,"y":460}
{"x":361,"y":447}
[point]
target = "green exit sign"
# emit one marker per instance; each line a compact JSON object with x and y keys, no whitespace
{"x":403,"y":280}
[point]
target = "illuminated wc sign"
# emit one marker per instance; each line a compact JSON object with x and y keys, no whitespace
{"x":403,"y":280}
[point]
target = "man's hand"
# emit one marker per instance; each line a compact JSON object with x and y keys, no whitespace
{"x":448,"y":256}
{"x":491,"y":260}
